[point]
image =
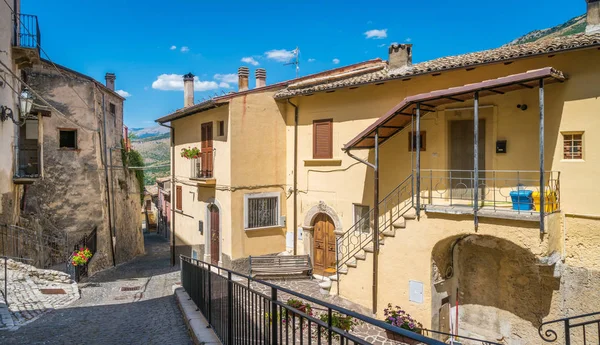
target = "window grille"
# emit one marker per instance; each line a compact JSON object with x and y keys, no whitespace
{"x":262,"y":210}
{"x":573,"y":146}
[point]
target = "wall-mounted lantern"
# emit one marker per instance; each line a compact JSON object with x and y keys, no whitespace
{"x":25,"y":102}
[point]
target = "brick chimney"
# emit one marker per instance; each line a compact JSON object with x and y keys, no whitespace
{"x":243,"y":73}
{"x":110,"y":80}
{"x":261,"y":77}
{"x":593,"y":17}
{"x":400,"y":55}
{"x":188,"y":90}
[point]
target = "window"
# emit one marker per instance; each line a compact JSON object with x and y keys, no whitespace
{"x":360,"y":212}
{"x":573,"y":145}
{"x":261,"y":210}
{"x":221,"y":128}
{"x":178,"y":198}
{"x":412,"y":141}
{"x":149,"y":205}
{"x":323,"y":139}
{"x":112,"y":108}
{"x":68,"y":138}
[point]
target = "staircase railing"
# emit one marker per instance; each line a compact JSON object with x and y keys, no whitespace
{"x":573,"y":330}
{"x":393,"y":206}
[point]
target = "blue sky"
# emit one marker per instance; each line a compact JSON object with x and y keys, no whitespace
{"x":146,"y":42}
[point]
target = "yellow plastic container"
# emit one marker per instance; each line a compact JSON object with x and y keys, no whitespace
{"x":550,"y":203}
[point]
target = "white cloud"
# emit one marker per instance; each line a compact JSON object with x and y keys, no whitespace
{"x":173,"y":47}
{"x":224,"y":85}
{"x":377,"y":34}
{"x":408,"y":39}
{"x":174,"y":82}
{"x":312,"y":60}
{"x":335,"y":61}
{"x":227,"y":78}
{"x":280,"y":55}
{"x":185,"y":49}
{"x":250,"y":60}
{"x":381,"y":45}
{"x":123,"y":93}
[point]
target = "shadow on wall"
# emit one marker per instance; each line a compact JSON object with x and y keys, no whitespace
{"x":493,"y":272}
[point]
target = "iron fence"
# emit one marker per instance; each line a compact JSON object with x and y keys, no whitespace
{"x":26,"y":31}
{"x":88,"y":241}
{"x":516,"y":191}
{"x":240,"y":314}
{"x":202,"y":166}
{"x":391,"y":208}
{"x":581,"y":329}
{"x":41,"y":249}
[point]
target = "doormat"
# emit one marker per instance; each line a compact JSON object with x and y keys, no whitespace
{"x":53,"y":291}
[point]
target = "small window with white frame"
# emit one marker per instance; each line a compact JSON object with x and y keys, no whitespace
{"x":572,"y":145}
{"x":361,"y":218}
{"x":261,"y":210}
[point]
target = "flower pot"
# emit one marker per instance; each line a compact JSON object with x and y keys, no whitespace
{"x":401,"y":338}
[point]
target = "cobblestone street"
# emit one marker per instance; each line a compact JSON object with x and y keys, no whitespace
{"x":130,"y":304}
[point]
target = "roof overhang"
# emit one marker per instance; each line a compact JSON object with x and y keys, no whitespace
{"x":194,"y":109}
{"x":400,"y":116}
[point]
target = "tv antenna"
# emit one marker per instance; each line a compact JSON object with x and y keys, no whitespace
{"x":296,"y":61}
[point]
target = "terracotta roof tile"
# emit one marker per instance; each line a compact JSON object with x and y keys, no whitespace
{"x":504,"y":53}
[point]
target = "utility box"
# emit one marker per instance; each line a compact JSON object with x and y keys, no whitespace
{"x":521,"y":200}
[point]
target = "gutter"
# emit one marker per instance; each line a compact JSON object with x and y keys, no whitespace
{"x":172,"y":189}
{"x":295,"y":176}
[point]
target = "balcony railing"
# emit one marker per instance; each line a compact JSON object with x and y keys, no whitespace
{"x":26,"y":32}
{"x":202,"y":167}
{"x":574,"y":330}
{"x":240,"y":314}
{"x":515,"y":191}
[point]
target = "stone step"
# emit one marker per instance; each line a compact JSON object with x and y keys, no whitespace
{"x":410,"y":214}
{"x":333,"y":278}
{"x":361,"y":256}
{"x":343,"y":270}
{"x":325,"y":284}
{"x":400,"y":223}
{"x":339,"y":232}
{"x":389,"y":233}
{"x":352,"y":263}
{"x":369,"y":248}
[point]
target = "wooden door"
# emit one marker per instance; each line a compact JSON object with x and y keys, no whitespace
{"x":214,"y":235}
{"x":206,"y":150}
{"x":461,"y":159}
{"x":324,"y":244}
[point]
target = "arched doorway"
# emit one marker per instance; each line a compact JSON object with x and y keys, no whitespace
{"x":213,"y":211}
{"x":324,"y":243}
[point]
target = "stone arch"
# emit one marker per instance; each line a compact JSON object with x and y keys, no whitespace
{"x":321,"y":207}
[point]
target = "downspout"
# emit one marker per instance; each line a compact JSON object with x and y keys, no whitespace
{"x":172,"y":191}
{"x":108,"y":194}
{"x":295,"y":220}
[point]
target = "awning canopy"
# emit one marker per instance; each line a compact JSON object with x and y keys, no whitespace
{"x":400,"y":116}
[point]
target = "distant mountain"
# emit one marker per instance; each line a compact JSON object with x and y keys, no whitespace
{"x":140,"y":133}
{"x":153,"y":144}
{"x":574,"y":26}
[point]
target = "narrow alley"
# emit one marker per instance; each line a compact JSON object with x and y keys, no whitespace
{"x":130,"y":304}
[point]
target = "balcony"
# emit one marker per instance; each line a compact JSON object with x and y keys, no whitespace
{"x":26,"y":39}
{"x":509,"y":194}
{"x":202,"y":168}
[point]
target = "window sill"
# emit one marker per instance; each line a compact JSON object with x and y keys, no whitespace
{"x":572,"y":160}
{"x":265,"y":228}
{"x":323,"y":162}
{"x":204,"y":180}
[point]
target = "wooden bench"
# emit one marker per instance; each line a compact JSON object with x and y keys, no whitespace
{"x":285,"y":264}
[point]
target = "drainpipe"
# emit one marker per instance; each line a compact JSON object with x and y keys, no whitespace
{"x":108,"y":194}
{"x":172,"y":191}
{"x":295,"y":176}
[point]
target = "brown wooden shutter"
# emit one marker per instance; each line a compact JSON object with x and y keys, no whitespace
{"x":178,"y":198}
{"x":323,"y":139}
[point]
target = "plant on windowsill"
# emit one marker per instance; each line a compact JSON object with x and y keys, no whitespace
{"x":398,"y":317}
{"x":190,"y":152}
{"x":81,"y":257}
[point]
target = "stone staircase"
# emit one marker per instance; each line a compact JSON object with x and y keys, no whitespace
{"x":385,"y":235}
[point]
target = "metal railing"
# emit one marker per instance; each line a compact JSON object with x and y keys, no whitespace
{"x":574,"y":330}
{"x":40,"y":249}
{"x":4,"y":281}
{"x":26,"y":31}
{"x":391,"y":208}
{"x":202,"y":167}
{"x":87,"y":241}
{"x":498,"y":190}
{"x":240,"y":314}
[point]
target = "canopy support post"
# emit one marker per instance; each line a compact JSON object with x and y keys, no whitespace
{"x":542,"y":185}
{"x":476,"y":159}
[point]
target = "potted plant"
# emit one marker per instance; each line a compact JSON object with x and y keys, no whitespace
{"x":190,"y":152}
{"x":81,"y":257}
{"x":398,"y":317}
{"x":340,"y":321}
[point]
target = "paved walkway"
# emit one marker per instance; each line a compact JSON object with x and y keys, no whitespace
{"x":145,"y":313}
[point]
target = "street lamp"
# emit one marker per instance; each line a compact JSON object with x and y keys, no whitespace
{"x":25,"y":102}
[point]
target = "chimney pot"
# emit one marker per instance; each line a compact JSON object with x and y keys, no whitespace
{"x":110,"y":80}
{"x":400,"y":55}
{"x":243,"y":73}
{"x":261,"y":77}
{"x":593,"y":17}
{"x":188,"y":90}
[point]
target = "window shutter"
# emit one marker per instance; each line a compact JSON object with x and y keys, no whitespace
{"x":178,"y":197}
{"x":323,"y":139}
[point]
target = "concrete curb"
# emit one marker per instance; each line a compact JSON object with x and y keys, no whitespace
{"x":197,"y":325}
